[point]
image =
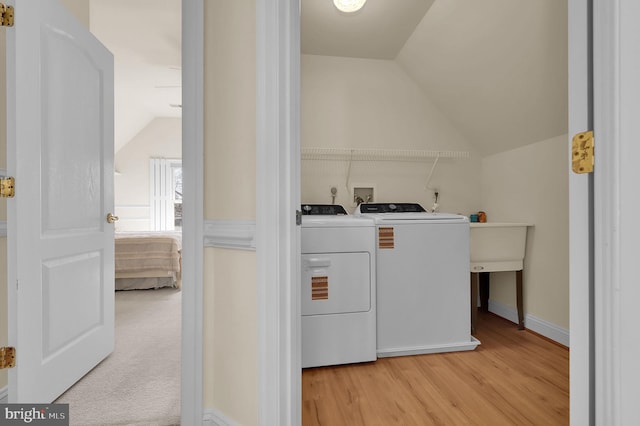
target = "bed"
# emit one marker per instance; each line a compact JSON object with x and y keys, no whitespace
{"x":145,"y":260}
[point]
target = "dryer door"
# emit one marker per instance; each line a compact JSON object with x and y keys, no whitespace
{"x":335,"y":283}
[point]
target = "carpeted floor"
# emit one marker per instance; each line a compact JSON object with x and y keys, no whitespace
{"x":138,"y":384}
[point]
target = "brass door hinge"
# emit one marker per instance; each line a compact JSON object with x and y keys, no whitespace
{"x":7,"y":187}
{"x":582,"y":157}
{"x":6,"y":16}
{"x":7,"y":357}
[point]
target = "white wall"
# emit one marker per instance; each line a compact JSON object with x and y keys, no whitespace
{"x":230,"y":344}
{"x":530,"y":184}
{"x":361,"y":103}
{"x":364,"y":103}
{"x":230,"y":307}
{"x":161,"y":138}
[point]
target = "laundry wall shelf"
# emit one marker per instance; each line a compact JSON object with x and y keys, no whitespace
{"x":348,"y":154}
{"x":352,"y":154}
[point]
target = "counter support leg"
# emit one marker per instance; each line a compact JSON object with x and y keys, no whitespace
{"x":474,"y":301}
{"x":484,"y":291}
{"x":519,"y":300}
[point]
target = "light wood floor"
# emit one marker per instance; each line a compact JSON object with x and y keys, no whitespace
{"x":513,"y":378}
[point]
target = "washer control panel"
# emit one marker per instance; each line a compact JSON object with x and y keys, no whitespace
{"x":323,"y":209}
{"x":390,"y":208}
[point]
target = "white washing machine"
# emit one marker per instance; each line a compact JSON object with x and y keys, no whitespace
{"x":423,"y":291}
{"x":338,"y":287}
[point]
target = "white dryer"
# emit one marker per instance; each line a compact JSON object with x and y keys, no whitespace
{"x":338,"y":287}
{"x":423,"y":291}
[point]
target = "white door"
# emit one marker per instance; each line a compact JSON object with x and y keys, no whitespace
{"x":60,"y":246}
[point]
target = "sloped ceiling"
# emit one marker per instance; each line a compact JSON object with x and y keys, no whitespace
{"x":145,"y":39}
{"x":496,"y":68}
{"x":377,"y":31}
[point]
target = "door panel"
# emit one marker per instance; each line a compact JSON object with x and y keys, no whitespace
{"x":76,"y":205}
{"x":63,"y":279}
{"x":60,"y":248}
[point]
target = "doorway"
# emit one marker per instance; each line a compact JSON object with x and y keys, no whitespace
{"x":147,"y":136}
{"x":192,"y":312}
{"x":283,"y":61}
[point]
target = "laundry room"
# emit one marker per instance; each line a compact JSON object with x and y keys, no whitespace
{"x":458,"y":106}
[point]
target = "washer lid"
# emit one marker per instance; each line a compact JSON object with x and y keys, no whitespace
{"x":403,"y":212}
{"x":422,"y":217}
{"x":389,"y":208}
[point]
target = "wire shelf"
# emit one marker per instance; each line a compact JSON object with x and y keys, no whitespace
{"x":347,"y":154}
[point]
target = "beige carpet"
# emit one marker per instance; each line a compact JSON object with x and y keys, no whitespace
{"x":138,"y":384}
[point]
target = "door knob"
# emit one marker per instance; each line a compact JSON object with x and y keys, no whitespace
{"x":111,"y":218}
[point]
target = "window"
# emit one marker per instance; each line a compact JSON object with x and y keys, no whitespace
{"x":165,"y":198}
{"x":177,"y":195}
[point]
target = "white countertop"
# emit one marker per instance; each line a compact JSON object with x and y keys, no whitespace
{"x":497,"y":224}
{"x":497,"y":246}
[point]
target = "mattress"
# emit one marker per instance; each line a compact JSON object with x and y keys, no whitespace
{"x":146,"y":260}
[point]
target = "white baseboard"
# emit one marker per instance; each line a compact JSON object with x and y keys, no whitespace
{"x":4,"y":395}
{"x":533,"y":323}
{"x":213,"y":417}
{"x":433,"y":349}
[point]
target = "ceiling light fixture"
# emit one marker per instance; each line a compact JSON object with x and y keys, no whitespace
{"x":349,"y":6}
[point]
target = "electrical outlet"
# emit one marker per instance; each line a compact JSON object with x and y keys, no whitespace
{"x":363,"y":194}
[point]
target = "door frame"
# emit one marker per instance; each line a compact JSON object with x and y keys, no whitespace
{"x":193,"y":214}
{"x":616,"y":90}
{"x":278,"y":124}
{"x":192,"y":211}
{"x":581,"y":248}
{"x":277,"y":200}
